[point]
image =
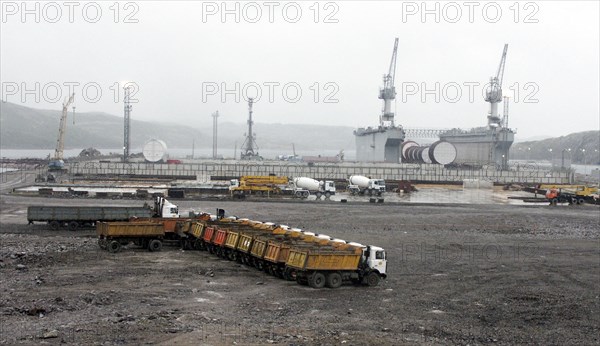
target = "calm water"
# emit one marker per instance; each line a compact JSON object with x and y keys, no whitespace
{"x":175,"y":153}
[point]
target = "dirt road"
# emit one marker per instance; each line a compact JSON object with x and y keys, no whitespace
{"x":458,"y":274}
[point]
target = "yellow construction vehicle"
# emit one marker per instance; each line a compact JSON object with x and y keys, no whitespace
{"x":258,"y":185}
{"x":577,"y":190}
{"x":572,"y":194}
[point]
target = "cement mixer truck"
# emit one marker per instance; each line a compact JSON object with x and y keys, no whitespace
{"x":358,"y":184}
{"x":303,"y":187}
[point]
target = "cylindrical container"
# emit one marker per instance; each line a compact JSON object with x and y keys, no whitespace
{"x":155,"y":150}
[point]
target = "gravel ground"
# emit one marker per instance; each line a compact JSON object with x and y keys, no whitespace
{"x":458,"y":274}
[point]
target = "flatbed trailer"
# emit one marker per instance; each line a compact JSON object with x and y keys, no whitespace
{"x":75,"y":217}
{"x":112,"y":235}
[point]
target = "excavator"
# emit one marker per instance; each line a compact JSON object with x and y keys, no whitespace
{"x":57,"y":163}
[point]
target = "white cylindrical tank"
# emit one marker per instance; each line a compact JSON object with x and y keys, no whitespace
{"x":307,"y":183}
{"x":411,"y":154}
{"x":442,"y":152}
{"x":425,"y":155}
{"x":155,"y":150}
{"x":359,"y":180}
{"x":405,"y":147}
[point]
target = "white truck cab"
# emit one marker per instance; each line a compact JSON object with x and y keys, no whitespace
{"x":376,"y":259}
{"x":164,"y":208}
{"x":233,"y":184}
{"x":329,"y":187}
{"x":377,"y":185}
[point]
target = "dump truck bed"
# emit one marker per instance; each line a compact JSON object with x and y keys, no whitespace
{"x":323,"y":260}
{"x":63,"y":213}
{"x":130,"y":229}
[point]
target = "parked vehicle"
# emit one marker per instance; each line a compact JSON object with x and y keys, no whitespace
{"x":303,"y":187}
{"x":75,"y":217}
{"x":112,"y":235}
{"x":257,"y":185}
{"x":361,"y":185}
{"x":292,"y":254}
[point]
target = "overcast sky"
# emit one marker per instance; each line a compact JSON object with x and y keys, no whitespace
{"x":181,"y":55}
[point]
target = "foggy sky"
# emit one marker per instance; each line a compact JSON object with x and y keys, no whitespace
{"x":172,"y":51}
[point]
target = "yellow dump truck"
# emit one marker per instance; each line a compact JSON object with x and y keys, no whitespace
{"x":314,"y":259}
{"x":112,"y":235}
{"x":259,"y":185}
{"x":330,"y":267}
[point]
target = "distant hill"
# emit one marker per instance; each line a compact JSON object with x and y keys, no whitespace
{"x":539,"y":150}
{"x":28,"y":128}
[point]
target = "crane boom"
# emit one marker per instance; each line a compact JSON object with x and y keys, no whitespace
{"x":392,"y":71}
{"x":388,"y":92}
{"x":500,"y":73}
{"x":493,"y":93}
{"x":60,"y":142}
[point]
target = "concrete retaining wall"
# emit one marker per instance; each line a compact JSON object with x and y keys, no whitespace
{"x":232,"y":169}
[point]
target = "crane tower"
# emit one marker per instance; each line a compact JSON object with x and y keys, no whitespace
{"x":493,"y":93}
{"x":382,"y":143}
{"x":388,"y":92}
{"x":57,"y":161}
{"x":249,"y":147}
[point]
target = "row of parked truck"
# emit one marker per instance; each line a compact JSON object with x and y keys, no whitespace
{"x":302,"y":187}
{"x":313,"y":259}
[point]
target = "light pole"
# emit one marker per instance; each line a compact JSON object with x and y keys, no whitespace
{"x":562,"y":166}
{"x":528,"y":153}
{"x":551,"y":158}
{"x":584,"y":162}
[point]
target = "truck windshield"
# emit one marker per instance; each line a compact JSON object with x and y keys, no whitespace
{"x":380,"y":255}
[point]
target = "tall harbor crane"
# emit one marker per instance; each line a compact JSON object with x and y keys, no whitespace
{"x":249,"y":147}
{"x":493,"y":93}
{"x":388,"y":92}
{"x":57,"y":162}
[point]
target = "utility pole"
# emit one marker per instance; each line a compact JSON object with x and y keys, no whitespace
{"x":215,"y":115}
{"x":127,"y":125}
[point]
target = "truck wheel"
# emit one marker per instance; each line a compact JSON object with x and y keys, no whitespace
{"x":317,"y":280}
{"x":114,"y":246}
{"x":302,"y":281}
{"x":54,"y":225}
{"x":289,"y":274}
{"x":327,"y":195}
{"x":334,"y":280}
{"x":372,"y":279}
{"x":580,"y":201}
{"x":73,"y":225}
{"x":318,"y":194}
{"x":155,"y":245}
